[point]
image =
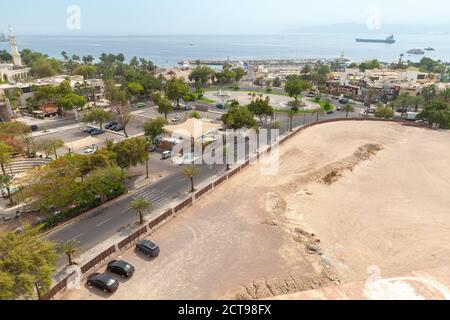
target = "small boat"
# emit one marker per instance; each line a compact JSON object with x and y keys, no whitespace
{"x":415,"y":51}
{"x":429,"y":49}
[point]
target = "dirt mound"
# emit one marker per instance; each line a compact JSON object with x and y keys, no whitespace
{"x":292,"y":283}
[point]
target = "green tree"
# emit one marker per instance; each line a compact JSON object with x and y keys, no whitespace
{"x":87,"y":71}
{"x":69,"y":248}
{"x":135,"y":89}
{"x":141,"y":206}
{"x":130,"y":152}
{"x":295,"y":86}
{"x":176,"y":89}
{"x":26,"y":258}
{"x":97,"y":115}
{"x":165,"y":107}
{"x":383,"y":111}
{"x":201,"y":75}
{"x":71,"y":101}
{"x":348,"y":108}
{"x":154,"y":128}
{"x":239,"y":117}
{"x":190,"y":173}
{"x":436,"y":113}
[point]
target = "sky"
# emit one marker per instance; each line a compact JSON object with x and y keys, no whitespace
{"x":146,"y":17}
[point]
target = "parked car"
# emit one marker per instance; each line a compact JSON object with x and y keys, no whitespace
{"x":110,"y":125}
{"x":152,"y":148}
{"x":103,"y":282}
{"x":89,"y":130}
{"x":118,"y":127}
{"x":149,"y":248}
{"x":97,"y":132}
{"x":166,"y":155}
{"x":121,"y":268}
{"x":34,"y":128}
{"x":220,"y":106}
{"x":330,"y":112}
{"x":176,"y":119}
{"x":88,"y":150}
{"x":344,"y":101}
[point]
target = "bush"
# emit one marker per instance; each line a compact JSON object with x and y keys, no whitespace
{"x":75,"y":211}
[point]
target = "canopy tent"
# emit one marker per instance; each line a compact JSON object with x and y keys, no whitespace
{"x":193,"y":128}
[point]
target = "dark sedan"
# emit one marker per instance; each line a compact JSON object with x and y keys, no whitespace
{"x":103,"y":282}
{"x":149,"y":248}
{"x":121,"y":268}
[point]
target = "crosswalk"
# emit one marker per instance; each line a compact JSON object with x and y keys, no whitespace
{"x":157,"y":197}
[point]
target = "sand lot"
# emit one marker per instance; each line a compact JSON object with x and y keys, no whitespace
{"x":348,"y":196}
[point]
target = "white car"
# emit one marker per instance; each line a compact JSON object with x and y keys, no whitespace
{"x":176,"y":119}
{"x":88,"y":150}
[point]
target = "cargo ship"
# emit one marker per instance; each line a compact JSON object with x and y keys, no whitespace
{"x":389,"y":40}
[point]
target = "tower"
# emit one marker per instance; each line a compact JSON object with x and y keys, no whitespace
{"x":14,"y":51}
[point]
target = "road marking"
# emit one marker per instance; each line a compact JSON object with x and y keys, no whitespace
{"x":81,"y":234}
{"x":102,"y":223}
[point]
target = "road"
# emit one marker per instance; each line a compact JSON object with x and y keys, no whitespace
{"x":91,"y":230}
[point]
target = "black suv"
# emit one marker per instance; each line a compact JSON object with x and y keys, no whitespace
{"x":121,"y":268}
{"x":149,"y":248}
{"x":103,"y":282}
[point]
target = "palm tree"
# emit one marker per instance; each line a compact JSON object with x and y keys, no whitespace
{"x":69,"y":248}
{"x":190,"y":172}
{"x":348,"y":108}
{"x":291,"y":113}
{"x":140,"y":206}
{"x":317,"y":112}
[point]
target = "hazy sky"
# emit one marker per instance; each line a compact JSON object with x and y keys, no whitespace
{"x":210,"y":16}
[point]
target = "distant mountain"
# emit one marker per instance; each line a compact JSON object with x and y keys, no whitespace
{"x":356,"y":28}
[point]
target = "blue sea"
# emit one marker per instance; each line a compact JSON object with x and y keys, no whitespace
{"x":169,"y":50}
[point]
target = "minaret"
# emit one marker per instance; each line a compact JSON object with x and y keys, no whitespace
{"x":14,"y":51}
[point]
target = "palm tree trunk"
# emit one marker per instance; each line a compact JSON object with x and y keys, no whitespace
{"x":125,"y":131}
{"x":69,"y":256}
{"x":192,"y":185}
{"x":141,"y":218}
{"x":146,"y":168}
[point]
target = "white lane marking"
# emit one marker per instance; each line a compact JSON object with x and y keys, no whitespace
{"x":81,"y":234}
{"x":104,"y":222}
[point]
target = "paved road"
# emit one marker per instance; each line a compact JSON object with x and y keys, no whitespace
{"x":107,"y":222}
{"x":92,"y":230}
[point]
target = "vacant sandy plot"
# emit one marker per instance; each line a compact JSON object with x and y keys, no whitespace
{"x":348,"y":196}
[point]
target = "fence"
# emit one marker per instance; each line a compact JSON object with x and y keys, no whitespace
{"x":133,"y":237}
{"x":207,"y":189}
{"x":98,"y":259}
{"x":187,"y":203}
{"x":56,"y":289}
